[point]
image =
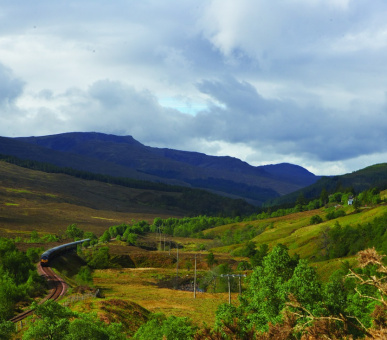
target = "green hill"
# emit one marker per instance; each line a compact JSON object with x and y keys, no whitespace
{"x":357,"y":181}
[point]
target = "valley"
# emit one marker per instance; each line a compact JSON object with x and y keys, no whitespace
{"x":146,"y":273}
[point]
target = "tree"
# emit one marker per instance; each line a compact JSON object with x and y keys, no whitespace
{"x":105,"y":237}
{"x":248,"y":250}
{"x":57,"y":322}
{"x":259,"y":255}
{"x":85,"y":274}
{"x":324,"y":197}
{"x":316,"y":219}
{"x":99,"y":258}
{"x":7,"y":329}
{"x":33,"y":254}
{"x":87,"y":327}
{"x":53,"y":322}
{"x":74,"y":232}
{"x":131,"y":238}
{"x":210,"y":258}
{"x":173,"y":328}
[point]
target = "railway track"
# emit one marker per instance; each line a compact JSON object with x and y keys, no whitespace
{"x":57,"y":289}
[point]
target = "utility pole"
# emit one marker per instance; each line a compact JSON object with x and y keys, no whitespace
{"x":195,"y":280}
{"x":161,"y":248}
{"x":177,"y":261}
{"x":229,"y":284}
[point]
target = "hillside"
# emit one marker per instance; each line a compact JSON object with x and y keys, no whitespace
{"x":35,"y":200}
{"x":123,"y":156}
{"x":374,"y":176}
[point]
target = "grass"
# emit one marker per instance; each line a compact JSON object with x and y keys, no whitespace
{"x":139,"y":285}
{"x":295,"y":231}
{"x":48,"y":203}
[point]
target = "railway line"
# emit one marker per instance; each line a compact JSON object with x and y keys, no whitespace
{"x":56,"y":284}
{"x":57,"y":289}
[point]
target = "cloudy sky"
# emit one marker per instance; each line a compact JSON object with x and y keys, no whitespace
{"x":298,"y":81}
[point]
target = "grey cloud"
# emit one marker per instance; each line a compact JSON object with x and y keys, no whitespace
{"x":301,"y":79}
{"x":10,"y":86}
{"x":323,"y":134}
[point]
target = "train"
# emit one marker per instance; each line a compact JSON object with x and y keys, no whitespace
{"x":51,"y":253}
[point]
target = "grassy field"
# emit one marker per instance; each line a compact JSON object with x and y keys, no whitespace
{"x":140,"y":285}
{"x":48,"y":203}
{"x":295,"y":231}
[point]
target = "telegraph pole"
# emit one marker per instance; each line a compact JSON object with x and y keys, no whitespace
{"x":195,"y":280}
{"x":161,"y":248}
{"x":229,"y":284}
{"x":177,"y":261}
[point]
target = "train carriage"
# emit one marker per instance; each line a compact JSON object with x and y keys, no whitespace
{"x":53,"y":252}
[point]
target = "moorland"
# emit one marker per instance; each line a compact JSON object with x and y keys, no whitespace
{"x":297,"y":263}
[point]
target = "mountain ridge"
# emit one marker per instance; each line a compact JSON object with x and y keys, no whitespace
{"x":126,"y":157}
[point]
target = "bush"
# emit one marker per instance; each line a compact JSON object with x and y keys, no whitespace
{"x":172,"y":328}
{"x":316,"y":219}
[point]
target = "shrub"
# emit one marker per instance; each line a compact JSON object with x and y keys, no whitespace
{"x":316,"y":219}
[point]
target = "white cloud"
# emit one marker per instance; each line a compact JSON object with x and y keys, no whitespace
{"x":281,"y":81}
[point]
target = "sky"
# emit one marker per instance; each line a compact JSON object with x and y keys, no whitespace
{"x":296,"y":81}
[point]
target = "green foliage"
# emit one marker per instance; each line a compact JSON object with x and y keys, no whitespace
{"x":98,"y":258}
{"x":58,"y":322}
{"x":52,"y":324}
{"x":257,"y":258}
{"x":74,"y":232}
{"x":371,"y":196}
{"x":248,"y":250}
{"x":85,"y":274}
{"x":10,"y":293}
{"x":7,"y":329}
{"x":315,"y":219}
{"x":283,"y":286}
{"x":306,"y":288}
{"x":335,"y":214}
{"x":105,"y":237}
{"x":50,"y":238}
{"x":214,"y":282}
{"x":34,"y":236}
{"x":348,"y":240}
{"x":244,"y":265}
{"x":210,"y":258}
{"x":131,"y":238}
{"x":18,"y":277}
{"x":172,"y":328}
{"x":33,"y":254}
{"x":87,"y":327}
{"x":335,"y":198}
{"x":90,"y":235}
{"x":190,"y":226}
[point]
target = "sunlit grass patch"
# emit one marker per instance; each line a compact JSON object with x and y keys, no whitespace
{"x":326,"y":268}
{"x":19,"y":191}
{"x":140,"y":286}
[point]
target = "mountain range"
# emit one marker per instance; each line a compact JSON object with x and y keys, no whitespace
{"x":123,"y":156}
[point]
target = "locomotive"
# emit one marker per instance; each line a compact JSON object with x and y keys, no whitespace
{"x":51,"y":253}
